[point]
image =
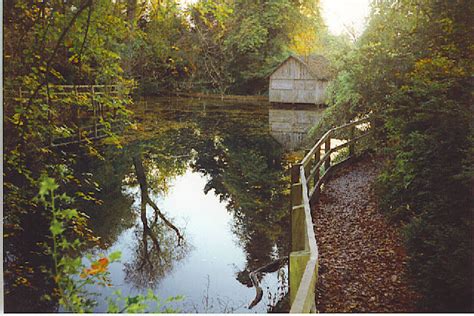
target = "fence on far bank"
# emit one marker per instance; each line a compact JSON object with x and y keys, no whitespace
{"x":80,"y":112}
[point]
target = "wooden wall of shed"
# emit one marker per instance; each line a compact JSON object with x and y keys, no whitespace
{"x":292,"y":83}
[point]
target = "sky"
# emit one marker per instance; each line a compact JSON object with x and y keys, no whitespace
{"x":340,"y":14}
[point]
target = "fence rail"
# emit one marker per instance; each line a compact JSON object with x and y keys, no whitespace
{"x":307,"y":178}
{"x":77,"y":89}
{"x":85,"y":110}
{"x":88,"y":133}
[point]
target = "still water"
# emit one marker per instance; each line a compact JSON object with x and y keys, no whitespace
{"x":205,"y":270}
{"x":215,"y":170}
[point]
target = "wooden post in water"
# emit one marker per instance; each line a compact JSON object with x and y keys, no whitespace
{"x":298,"y":235}
{"x":297,"y":266}
{"x":107,"y":94}
{"x":299,"y":239}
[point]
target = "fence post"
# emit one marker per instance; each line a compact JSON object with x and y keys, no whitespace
{"x":317,"y":157}
{"x":307,"y":168}
{"x":298,"y":233}
{"x":295,"y":173}
{"x":74,"y":106}
{"x":299,"y":245}
{"x":297,"y":266}
{"x":351,"y":137}
{"x":95,"y":111}
{"x":327,"y":148}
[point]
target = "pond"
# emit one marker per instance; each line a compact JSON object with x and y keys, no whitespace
{"x":215,"y":172}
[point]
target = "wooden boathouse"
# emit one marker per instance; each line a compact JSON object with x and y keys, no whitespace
{"x":300,"y":79}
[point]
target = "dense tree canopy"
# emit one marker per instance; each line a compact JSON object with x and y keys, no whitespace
{"x":411,"y":70}
{"x":219,"y":46}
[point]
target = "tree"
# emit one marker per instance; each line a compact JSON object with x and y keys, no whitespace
{"x":48,"y":43}
{"x":411,"y":70}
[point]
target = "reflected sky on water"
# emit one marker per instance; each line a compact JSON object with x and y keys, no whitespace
{"x":206,"y":271}
{"x":216,"y":172}
{"x":219,"y":176}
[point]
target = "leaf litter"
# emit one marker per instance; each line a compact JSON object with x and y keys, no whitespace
{"x":362,"y":261}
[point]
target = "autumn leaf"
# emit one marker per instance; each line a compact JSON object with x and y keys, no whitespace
{"x":97,"y":267}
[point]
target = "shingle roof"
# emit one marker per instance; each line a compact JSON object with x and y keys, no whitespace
{"x":318,"y":66}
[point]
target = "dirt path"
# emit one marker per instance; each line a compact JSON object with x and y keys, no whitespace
{"x":362,"y":265}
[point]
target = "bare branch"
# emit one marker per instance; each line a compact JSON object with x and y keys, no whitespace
{"x":140,"y":172}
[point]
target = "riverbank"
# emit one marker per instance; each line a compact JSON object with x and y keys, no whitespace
{"x":229,"y":97}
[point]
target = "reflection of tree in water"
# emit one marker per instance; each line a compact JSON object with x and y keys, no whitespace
{"x":153,"y":260}
{"x":26,"y":275}
{"x":149,"y":266}
{"x":245,"y":168}
{"x":260,"y":210}
{"x":112,"y":215}
{"x":163,"y":159}
{"x":279,"y":302}
{"x":146,"y":200}
{"x":152,"y":164}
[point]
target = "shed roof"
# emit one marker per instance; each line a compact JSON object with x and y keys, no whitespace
{"x":318,"y":65}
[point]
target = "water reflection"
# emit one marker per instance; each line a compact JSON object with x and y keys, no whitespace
{"x":214,"y":171}
{"x":149,"y":265}
{"x":289,"y":126}
{"x":26,"y":278}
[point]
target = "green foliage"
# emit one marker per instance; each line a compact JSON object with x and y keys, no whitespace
{"x":236,"y":44}
{"x":154,"y":54}
{"x":341,"y":156}
{"x":211,"y":57}
{"x":72,"y":275}
{"x":66,"y":268}
{"x":140,"y":303}
{"x":411,"y":71}
{"x":48,"y":44}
